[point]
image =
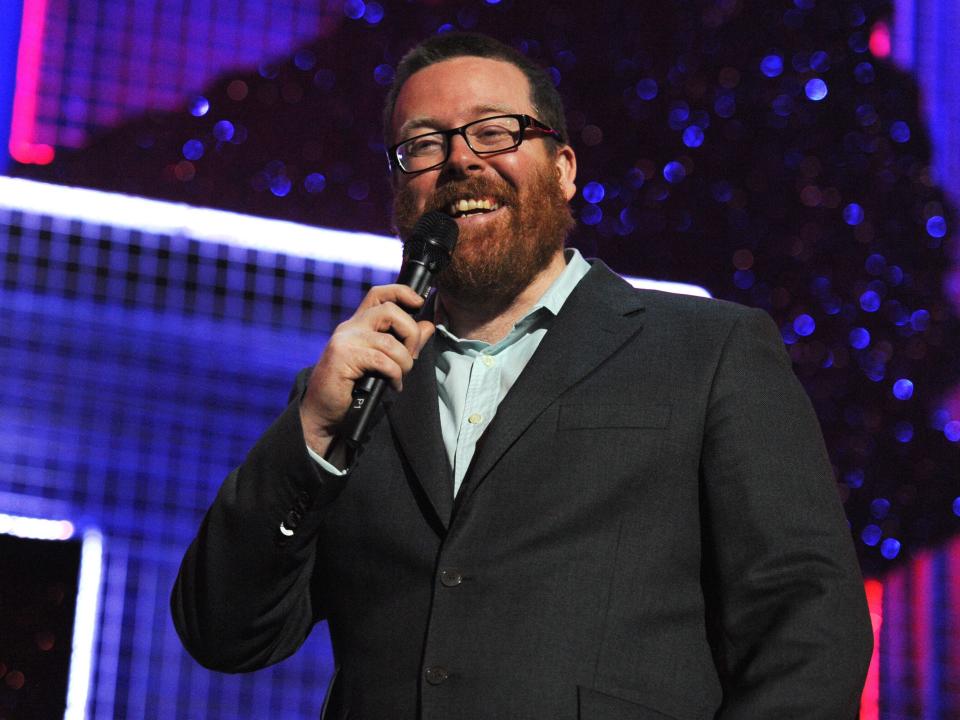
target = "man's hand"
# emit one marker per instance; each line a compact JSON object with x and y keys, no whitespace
{"x":380,"y":338}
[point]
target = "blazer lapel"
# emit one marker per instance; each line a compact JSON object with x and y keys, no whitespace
{"x":414,"y":416}
{"x":601,"y":314}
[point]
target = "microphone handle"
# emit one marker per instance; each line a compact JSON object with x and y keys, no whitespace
{"x":368,"y":390}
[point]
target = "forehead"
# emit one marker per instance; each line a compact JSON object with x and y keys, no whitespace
{"x":456,"y":91}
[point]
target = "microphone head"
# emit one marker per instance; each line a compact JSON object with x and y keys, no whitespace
{"x":432,"y":240}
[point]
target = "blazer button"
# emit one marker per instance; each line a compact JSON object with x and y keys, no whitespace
{"x":436,"y":674}
{"x":451,"y":577}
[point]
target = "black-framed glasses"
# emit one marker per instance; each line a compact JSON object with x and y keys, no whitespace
{"x":485,"y":136}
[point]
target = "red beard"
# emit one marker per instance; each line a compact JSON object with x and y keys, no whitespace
{"x":492,"y":265}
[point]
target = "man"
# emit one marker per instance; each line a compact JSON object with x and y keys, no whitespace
{"x":579,"y":501}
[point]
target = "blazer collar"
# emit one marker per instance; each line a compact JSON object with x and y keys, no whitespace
{"x":599,"y":316}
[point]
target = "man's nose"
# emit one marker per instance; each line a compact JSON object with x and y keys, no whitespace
{"x":462,"y":160}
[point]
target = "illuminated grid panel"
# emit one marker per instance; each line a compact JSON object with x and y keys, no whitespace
{"x":138,"y":369}
{"x":103,"y":61}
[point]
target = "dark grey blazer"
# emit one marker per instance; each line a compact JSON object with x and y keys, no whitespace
{"x":649,"y":529}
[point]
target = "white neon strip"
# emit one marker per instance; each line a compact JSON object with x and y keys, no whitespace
{"x":35,"y":528}
{"x":85,"y":626}
{"x":228,"y":228}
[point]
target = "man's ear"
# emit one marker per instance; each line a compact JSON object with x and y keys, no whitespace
{"x":566,"y":165}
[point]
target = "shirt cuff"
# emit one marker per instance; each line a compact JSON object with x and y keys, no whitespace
{"x":324,"y":464}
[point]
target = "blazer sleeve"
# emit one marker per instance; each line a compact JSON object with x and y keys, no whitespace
{"x":792,"y":630}
{"x":242,"y":599}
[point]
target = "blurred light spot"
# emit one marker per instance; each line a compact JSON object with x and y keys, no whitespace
{"x":900,"y":131}
{"x":184,"y":171}
{"x":890,"y":548}
{"x":305,"y":60}
{"x":952,"y":430}
{"x":804,"y":325}
{"x":788,"y":334}
{"x":871,"y":535}
{"x":445,"y":28}
{"x":820,"y":61}
{"x":383,"y":74}
{"x":936,"y":226}
{"x":314,"y":182}
{"x":237,"y":90}
{"x":324,"y":79}
{"x":859,"y":338}
{"x":647,"y":89}
{"x":854,"y":478}
{"x":744,"y":279}
{"x":815,"y":89}
{"x":591,"y":214}
{"x":193,"y":149}
{"x":880,"y":508}
{"x":725,"y":106}
{"x":223,"y":130}
{"x":268,"y":70}
{"x":635,"y":178}
{"x":743,"y":259}
{"x":903,"y":389}
{"x":280,"y":185}
{"x":199,"y":106}
{"x":358,"y":190}
{"x":880,"y":40}
{"x":956,"y":506}
{"x":721,"y":191}
{"x":853,"y":214}
{"x":876,"y":264}
{"x":864,"y":73}
{"x":894,"y":275}
{"x":591,"y":135}
{"x":555,"y":75}
{"x":903,"y":431}
{"x":866,"y":115}
{"x":674,"y":172}
{"x":920,"y":320}
{"x":492,"y":2}
{"x":858,"y":42}
{"x":693,"y":137}
{"x":782,"y":105}
{"x":354,"y":9}
{"x":15,"y":679}
{"x":373,"y":13}
{"x":870,"y":301}
{"x":593,"y":192}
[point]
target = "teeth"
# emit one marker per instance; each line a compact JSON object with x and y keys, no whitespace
{"x":465,"y":205}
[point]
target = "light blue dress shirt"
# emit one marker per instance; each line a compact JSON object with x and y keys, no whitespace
{"x":474,"y":376}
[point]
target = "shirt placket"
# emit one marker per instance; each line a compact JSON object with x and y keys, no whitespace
{"x":478,"y":410}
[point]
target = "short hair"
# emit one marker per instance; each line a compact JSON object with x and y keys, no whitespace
{"x":445,"y":46}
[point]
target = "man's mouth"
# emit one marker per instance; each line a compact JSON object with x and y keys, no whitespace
{"x":471,"y":206}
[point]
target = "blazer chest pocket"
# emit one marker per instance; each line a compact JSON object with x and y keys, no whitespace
{"x":574,"y":416}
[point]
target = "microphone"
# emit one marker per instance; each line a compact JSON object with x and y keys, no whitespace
{"x":426,"y":254}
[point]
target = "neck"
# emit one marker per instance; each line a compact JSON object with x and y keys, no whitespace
{"x":491,"y":321}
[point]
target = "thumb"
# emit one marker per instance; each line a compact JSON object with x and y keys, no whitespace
{"x":427,"y":329}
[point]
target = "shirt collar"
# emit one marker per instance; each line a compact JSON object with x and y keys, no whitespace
{"x":549,"y":304}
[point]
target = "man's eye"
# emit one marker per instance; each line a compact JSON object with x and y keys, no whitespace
{"x":424,"y":146}
{"x":491,"y":133}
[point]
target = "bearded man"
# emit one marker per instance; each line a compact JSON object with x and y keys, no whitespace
{"x":578,"y":500}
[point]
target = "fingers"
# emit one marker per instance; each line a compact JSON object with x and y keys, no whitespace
{"x":402,"y":295}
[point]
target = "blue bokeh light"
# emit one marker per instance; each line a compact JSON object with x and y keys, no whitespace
{"x":900,"y":131}
{"x":280,"y":185}
{"x":591,"y":214}
{"x":871,"y":535}
{"x":951,"y":430}
{"x":593,"y":192}
{"x":853,"y":214}
{"x":193,"y":149}
{"x":890,"y":548}
{"x":199,"y":106}
{"x":864,"y":73}
{"x":804,"y":325}
{"x":956,"y":506}
{"x":647,"y":89}
{"x":305,"y":60}
{"x":383,"y":74}
{"x":820,"y":61}
{"x":725,"y":106}
{"x":936,"y":226}
{"x":876,"y":264}
{"x":772,"y":66}
{"x":693,"y":137}
{"x":870,"y":301}
{"x":782,"y":105}
{"x":744,"y":279}
{"x":354,"y":9}
{"x":223,"y":130}
{"x":903,"y":431}
{"x":816,"y":89}
{"x":903,"y":389}
{"x":859,"y":338}
{"x":373,"y":13}
{"x":920,"y":320}
{"x":314,"y":182}
{"x":880,"y":508}
{"x":674,"y":172}
{"x":636,"y":178}
{"x":854,"y":478}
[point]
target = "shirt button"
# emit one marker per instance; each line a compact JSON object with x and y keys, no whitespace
{"x":488,"y":360}
{"x":451,"y":577}
{"x":436,"y":674}
{"x":475,"y":419}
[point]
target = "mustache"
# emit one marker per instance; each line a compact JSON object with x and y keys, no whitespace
{"x":477,"y":187}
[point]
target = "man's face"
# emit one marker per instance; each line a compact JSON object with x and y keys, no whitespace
{"x":502,"y":248}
